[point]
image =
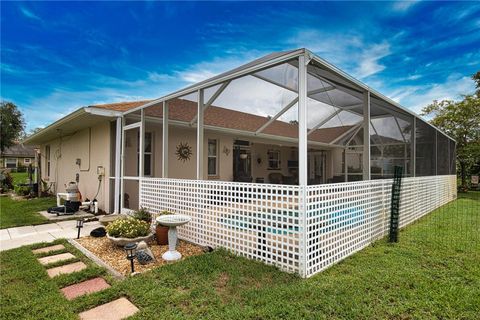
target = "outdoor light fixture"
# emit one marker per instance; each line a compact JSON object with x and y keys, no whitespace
{"x":79,"y":226}
{"x":130,"y":249}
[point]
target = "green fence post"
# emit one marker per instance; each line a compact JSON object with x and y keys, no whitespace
{"x":395,"y":204}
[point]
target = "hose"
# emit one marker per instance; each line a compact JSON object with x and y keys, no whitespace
{"x":98,"y":189}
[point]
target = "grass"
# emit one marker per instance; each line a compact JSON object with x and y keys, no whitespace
{"x":413,"y":279}
{"x":19,"y":177}
{"x":15,"y":213}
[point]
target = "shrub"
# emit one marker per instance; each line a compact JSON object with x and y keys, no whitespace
{"x":6,"y":180}
{"x":128,"y":228}
{"x":143,"y":214}
{"x":22,"y":190}
{"x":21,"y":168}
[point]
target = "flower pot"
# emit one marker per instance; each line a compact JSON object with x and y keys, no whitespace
{"x":123,"y":241}
{"x":162,"y":235}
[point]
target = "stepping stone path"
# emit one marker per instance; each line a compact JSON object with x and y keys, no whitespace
{"x":85,"y":287}
{"x":114,"y":310}
{"x":56,"y":258}
{"x":65,"y":269}
{"x":49,"y":249}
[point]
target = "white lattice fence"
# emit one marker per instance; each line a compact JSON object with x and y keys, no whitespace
{"x":345,"y":217}
{"x":265,"y":222}
{"x":258,"y":221}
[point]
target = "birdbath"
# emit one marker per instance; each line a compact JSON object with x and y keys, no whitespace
{"x":172,"y":221}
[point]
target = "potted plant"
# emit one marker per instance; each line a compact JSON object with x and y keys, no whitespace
{"x":162,"y":231}
{"x":123,"y":231}
{"x":143,"y":214}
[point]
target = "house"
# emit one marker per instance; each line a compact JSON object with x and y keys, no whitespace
{"x":18,"y":157}
{"x":286,"y":159}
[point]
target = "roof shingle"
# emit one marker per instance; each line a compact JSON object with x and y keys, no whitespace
{"x":185,"y":111}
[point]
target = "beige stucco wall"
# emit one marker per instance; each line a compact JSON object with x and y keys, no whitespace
{"x":65,"y":151}
{"x":179,"y":169}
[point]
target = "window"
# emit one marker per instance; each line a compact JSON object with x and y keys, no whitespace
{"x":47,"y":158}
{"x":212,"y":157}
{"x":27,"y":161}
{"x":273,"y":159}
{"x":11,"y":162}
{"x":147,"y":155}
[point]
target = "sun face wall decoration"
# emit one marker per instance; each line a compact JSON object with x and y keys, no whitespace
{"x":184,"y":151}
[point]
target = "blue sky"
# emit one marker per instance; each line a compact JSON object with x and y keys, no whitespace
{"x":56,"y":57}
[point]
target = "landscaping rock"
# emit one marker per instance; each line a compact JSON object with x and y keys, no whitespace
{"x":49,"y":249}
{"x":85,"y":287}
{"x":56,"y":258}
{"x":68,"y":268}
{"x":115,"y":310}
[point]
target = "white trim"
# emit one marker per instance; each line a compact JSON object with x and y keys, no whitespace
{"x":118,"y":155}
{"x":165,"y":141}
{"x":133,"y":125}
{"x":103,"y":112}
{"x":366,"y":137}
{"x":200,"y":132}
{"x":216,"y":157}
{"x":302,"y":122}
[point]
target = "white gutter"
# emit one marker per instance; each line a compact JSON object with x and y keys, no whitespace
{"x":72,"y":116}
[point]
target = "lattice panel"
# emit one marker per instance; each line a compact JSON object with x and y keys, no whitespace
{"x":345,"y":217}
{"x":258,"y":221}
{"x":265,"y":222}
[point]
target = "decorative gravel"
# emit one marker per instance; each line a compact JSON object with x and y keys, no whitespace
{"x":115,"y":256}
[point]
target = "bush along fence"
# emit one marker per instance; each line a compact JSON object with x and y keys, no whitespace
{"x":298,"y":229}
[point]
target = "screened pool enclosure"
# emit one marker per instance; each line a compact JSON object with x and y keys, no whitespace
{"x":286,"y":159}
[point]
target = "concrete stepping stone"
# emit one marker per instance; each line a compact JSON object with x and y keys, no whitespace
{"x":68,"y":268}
{"x":114,"y":310}
{"x":56,"y":258}
{"x":49,"y":249}
{"x":85,"y":287}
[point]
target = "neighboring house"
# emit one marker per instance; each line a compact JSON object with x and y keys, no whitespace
{"x":18,"y":157}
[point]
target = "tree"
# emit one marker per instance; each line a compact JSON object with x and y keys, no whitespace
{"x":461,"y":121}
{"x":476,"y":78}
{"x":11,"y":125}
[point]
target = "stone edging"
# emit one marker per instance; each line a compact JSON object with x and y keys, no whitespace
{"x":96,"y":259}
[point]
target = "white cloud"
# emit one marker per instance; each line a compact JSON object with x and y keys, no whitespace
{"x":209,"y":68}
{"x":417,"y":97}
{"x":369,"y":62}
{"x":159,"y":77}
{"x":404,"y":5}
{"x":348,"y":51}
{"x":196,"y":75}
{"x":29,"y":14}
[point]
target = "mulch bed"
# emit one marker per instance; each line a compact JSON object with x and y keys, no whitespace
{"x":115,"y":256}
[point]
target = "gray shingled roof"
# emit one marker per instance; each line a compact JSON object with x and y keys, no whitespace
{"x":19,"y":150}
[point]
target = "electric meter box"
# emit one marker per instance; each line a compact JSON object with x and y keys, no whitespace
{"x":100,"y":171}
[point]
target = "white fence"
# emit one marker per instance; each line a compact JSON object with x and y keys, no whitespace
{"x":266,"y":222}
{"x":258,"y":221}
{"x":345,"y":217}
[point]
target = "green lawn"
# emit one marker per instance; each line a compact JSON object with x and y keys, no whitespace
{"x":413,"y":279}
{"x":19,"y":177}
{"x":15,"y":213}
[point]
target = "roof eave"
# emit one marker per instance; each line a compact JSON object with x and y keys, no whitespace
{"x":32,"y":139}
